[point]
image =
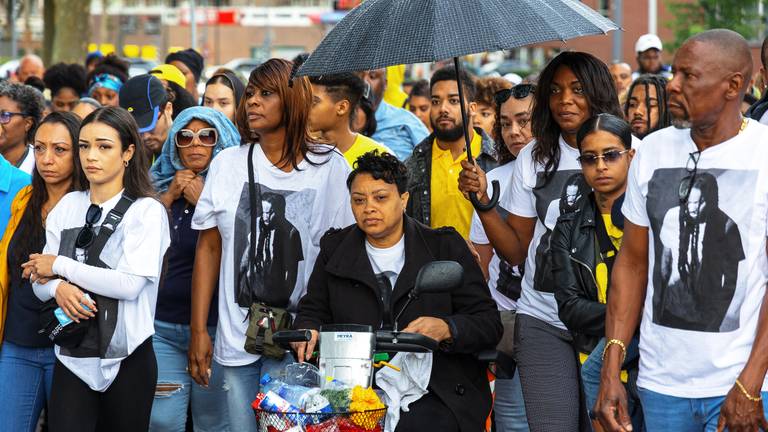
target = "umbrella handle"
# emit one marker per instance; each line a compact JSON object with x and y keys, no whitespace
{"x":491,"y":204}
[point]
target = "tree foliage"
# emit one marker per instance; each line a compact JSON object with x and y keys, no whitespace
{"x":695,"y":16}
{"x":67,"y":30}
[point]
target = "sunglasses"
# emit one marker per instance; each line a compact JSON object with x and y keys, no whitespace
{"x":86,"y":235}
{"x":207,"y":137}
{"x":5,"y":116}
{"x":520,"y":91}
{"x":684,"y":190}
{"x":609,"y":157}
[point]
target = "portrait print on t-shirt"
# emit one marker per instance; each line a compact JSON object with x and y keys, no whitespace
{"x":510,"y":280}
{"x":281,"y":218}
{"x":109,"y":339}
{"x":561,"y":194}
{"x":697,"y":228}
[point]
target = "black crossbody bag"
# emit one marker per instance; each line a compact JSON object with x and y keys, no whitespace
{"x":71,"y":335}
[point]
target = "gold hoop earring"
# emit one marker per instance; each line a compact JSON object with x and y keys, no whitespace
{"x":125,"y":163}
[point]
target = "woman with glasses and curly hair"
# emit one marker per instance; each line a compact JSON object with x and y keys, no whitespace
{"x":114,"y":364}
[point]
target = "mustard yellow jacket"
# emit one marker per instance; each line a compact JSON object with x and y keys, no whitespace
{"x":17,"y":210}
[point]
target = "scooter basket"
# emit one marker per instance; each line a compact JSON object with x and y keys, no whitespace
{"x":363,"y":421}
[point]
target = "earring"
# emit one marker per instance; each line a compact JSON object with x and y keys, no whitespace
{"x":125,"y":163}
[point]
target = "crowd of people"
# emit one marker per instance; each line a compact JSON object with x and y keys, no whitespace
{"x":168,"y":234}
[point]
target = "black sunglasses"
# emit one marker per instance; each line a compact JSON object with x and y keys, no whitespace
{"x":684,"y":190}
{"x":85,"y":236}
{"x":520,"y":91}
{"x":609,"y":157}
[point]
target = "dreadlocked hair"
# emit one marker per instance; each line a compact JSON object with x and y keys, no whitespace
{"x":662,"y":98}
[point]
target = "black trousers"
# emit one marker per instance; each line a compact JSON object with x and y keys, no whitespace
{"x":427,"y":414}
{"x":124,"y":407}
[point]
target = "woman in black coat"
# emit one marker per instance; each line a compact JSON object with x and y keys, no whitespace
{"x":363,"y":275}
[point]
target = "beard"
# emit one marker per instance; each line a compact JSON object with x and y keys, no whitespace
{"x":451,"y":134}
{"x":680,"y":122}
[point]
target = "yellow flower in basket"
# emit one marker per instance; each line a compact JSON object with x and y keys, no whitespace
{"x":364,"y":400}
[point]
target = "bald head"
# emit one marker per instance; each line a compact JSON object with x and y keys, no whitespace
{"x":727,"y":50}
{"x":30,"y":65}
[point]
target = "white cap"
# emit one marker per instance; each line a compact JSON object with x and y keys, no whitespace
{"x":648,"y":41}
{"x":514,"y":78}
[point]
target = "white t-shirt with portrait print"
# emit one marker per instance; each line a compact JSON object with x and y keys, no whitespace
{"x":312,"y":199}
{"x":529,"y":196}
{"x":707,"y":264}
{"x":134,"y":253}
{"x":387,"y":262}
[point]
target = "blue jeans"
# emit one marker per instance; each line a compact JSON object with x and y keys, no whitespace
{"x":508,"y":406}
{"x":26,"y":375}
{"x":176,"y":390}
{"x":590,"y":379}
{"x":669,"y":413}
{"x":242,"y":384}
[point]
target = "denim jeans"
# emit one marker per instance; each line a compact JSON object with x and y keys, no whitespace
{"x":669,"y":413}
{"x":508,"y":406}
{"x":590,"y":379}
{"x":176,"y":389}
{"x":242,"y":383}
{"x":26,"y":375}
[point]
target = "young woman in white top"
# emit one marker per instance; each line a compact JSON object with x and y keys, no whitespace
{"x":299,"y":187}
{"x":108,"y":381}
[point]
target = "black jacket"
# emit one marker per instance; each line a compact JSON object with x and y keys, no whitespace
{"x":573,"y":248}
{"x":343,"y":290}
{"x":756,"y":111}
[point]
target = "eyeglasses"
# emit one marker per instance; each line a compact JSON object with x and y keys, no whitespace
{"x":684,"y":190}
{"x":85,"y":236}
{"x":207,"y":137}
{"x":5,"y":116}
{"x":520,"y":91}
{"x":609,"y":157}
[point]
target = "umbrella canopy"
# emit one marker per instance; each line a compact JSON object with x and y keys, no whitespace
{"x":381,"y":33}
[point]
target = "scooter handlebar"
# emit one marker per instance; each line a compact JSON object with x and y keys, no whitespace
{"x":285,"y":337}
{"x":387,"y":341}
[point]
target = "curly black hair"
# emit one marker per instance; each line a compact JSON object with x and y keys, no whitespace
{"x":448,"y":73}
{"x":112,"y":65}
{"x":29,"y":100}
{"x":381,"y":166}
{"x":62,"y":75}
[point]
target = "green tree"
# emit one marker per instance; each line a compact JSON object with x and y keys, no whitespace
{"x":695,"y":16}
{"x":67,"y":30}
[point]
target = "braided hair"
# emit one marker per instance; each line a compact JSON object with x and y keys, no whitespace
{"x":660,"y":84}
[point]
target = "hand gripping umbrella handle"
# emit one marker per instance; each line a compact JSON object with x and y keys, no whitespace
{"x":495,"y":184}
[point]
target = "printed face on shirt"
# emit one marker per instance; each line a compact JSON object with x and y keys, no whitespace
{"x":567,"y":102}
{"x":101,"y":155}
{"x":445,"y":114}
{"x":696,"y":205}
{"x":605,"y":177}
{"x":106,"y":97}
{"x":13,"y":133}
{"x":54,"y":153}
{"x":65,"y":100}
{"x":264,"y":109}
{"x":267,"y":212}
{"x":197,"y":156}
{"x":516,"y":123}
{"x":221,"y":98}
{"x":420,"y":107}
{"x":639,"y":112}
{"x":378,"y":207}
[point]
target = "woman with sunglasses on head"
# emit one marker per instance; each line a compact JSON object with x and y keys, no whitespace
{"x":262,"y":213}
{"x":511,"y":132}
{"x":21,"y":109}
{"x":26,"y":357}
{"x":573,"y":87}
{"x":114,"y":365}
{"x":585,"y":243}
{"x":198,"y":134}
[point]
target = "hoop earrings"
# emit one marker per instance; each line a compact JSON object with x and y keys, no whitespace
{"x":125,"y":163}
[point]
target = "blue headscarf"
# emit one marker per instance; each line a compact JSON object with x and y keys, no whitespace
{"x":168,"y":162}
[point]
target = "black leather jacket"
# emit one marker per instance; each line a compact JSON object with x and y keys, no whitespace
{"x":573,"y":249}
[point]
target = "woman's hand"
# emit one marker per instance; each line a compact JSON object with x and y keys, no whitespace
{"x":199,"y":357}
{"x":472,"y":180}
{"x":432,"y":327}
{"x":193,"y":189}
{"x":180,"y":181}
{"x":39,"y":267}
{"x":304,"y":350}
{"x":71,"y":300}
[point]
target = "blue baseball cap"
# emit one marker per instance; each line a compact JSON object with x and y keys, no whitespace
{"x":143,"y":96}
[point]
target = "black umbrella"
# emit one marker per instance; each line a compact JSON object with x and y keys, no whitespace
{"x":381,"y":33}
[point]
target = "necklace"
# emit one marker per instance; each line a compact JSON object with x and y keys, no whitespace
{"x":744,"y":123}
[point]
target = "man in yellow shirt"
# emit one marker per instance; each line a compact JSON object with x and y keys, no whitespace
{"x":334,"y":100}
{"x":435,"y":164}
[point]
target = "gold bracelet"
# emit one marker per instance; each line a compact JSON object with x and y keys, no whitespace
{"x":619,"y":343}
{"x":746,"y":393}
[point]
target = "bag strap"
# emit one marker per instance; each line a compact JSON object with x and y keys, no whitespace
{"x":108,"y":227}
{"x":252,"y":204}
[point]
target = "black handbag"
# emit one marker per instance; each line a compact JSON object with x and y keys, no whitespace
{"x":71,"y":335}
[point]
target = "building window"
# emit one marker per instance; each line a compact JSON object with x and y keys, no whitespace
{"x":604,"y":7}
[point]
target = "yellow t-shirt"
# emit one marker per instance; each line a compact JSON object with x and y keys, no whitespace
{"x":363,"y":145}
{"x":448,"y":207}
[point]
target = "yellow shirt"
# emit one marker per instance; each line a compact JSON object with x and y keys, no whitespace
{"x":393,"y":93}
{"x":363,"y":145}
{"x":448,"y":207}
